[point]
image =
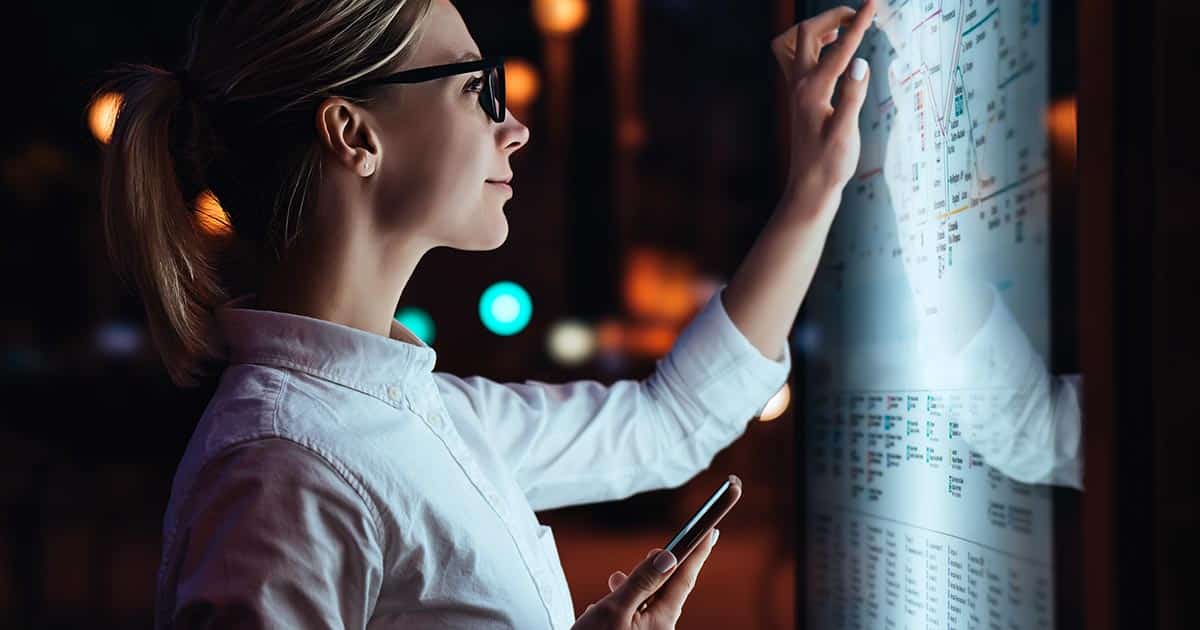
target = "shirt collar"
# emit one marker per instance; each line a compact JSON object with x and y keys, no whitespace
{"x":355,"y":358}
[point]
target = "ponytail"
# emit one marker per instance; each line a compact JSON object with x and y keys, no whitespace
{"x":244,"y":132}
{"x":150,"y":226}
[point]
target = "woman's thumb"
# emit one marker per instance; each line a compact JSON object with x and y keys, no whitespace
{"x":645,"y":579}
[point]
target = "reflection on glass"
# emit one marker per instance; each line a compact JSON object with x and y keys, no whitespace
{"x":1029,"y":427}
{"x":934,"y":426}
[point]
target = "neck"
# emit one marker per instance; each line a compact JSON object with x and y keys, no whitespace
{"x":346,"y":276}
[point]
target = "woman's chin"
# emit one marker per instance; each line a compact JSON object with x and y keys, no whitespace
{"x":487,"y":242}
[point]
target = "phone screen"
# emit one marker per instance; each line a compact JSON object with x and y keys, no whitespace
{"x":709,"y":514}
{"x":705,"y":518}
{"x":690,"y":527}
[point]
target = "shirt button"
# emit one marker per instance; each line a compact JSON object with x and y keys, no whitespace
{"x":393,"y":392}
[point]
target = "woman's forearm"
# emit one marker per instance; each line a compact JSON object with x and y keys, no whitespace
{"x":766,"y":291}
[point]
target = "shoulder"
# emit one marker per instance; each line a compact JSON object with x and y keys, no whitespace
{"x":256,"y":430}
{"x":281,"y":473}
{"x":267,"y":522}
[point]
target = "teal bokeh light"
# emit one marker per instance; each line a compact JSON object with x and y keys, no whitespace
{"x":505,"y":308}
{"x":419,"y":322}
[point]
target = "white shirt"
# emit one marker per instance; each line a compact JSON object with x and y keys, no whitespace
{"x":335,"y":480}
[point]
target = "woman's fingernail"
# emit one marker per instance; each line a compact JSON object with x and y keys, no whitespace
{"x":716,"y":533}
{"x":664,"y":561}
{"x":858,"y":69}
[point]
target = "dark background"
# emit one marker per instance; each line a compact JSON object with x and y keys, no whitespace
{"x":92,"y":428}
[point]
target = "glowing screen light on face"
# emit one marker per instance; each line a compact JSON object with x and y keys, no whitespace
{"x":417,"y":321}
{"x":505,"y":308}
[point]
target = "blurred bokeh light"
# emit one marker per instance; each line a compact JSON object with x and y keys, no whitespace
{"x":571,"y":342}
{"x":522,"y":83}
{"x":777,"y":404}
{"x":419,"y":322}
{"x":505,"y":308}
{"x":560,"y":17}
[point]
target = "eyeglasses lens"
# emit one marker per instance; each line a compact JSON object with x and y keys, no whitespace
{"x":492,"y":98}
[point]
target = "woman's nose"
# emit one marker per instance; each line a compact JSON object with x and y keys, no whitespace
{"x":517,"y":134}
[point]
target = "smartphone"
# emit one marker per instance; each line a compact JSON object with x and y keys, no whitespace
{"x":697,"y":527}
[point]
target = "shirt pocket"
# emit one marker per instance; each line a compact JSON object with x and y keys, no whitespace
{"x":564,"y":609}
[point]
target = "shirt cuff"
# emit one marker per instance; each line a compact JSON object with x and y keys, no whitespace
{"x":721,"y":370}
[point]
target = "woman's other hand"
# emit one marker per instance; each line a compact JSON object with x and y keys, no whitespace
{"x":619,"y":610}
{"x":825,"y":139}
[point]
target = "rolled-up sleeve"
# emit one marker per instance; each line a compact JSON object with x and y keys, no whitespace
{"x":584,"y":442}
{"x":273,"y":537}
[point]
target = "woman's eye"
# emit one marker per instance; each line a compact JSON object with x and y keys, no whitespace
{"x":474,"y":84}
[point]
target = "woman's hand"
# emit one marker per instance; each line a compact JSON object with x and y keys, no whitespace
{"x":824,"y":135}
{"x":619,"y":610}
{"x":765,"y":293}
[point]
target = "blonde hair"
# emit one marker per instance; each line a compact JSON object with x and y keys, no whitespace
{"x":244,"y":130}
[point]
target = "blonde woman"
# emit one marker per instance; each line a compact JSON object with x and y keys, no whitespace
{"x":335,"y":480}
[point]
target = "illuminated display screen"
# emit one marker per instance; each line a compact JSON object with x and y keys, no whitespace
{"x":930,"y":424}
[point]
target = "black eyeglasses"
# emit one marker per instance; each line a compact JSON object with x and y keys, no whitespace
{"x":491,"y":93}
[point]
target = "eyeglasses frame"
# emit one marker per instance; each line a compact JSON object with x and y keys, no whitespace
{"x":429,"y":73}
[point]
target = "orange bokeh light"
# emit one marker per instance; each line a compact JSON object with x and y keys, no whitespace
{"x":610,"y":336}
{"x":559,"y":17}
{"x":1061,"y":119}
{"x":521,"y":83}
{"x":102,"y":115}
{"x":650,"y":339}
{"x":660,"y":286}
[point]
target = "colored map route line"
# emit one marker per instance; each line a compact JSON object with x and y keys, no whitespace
{"x":962,"y":81}
{"x":974,"y":201}
{"x":958,"y":26}
{"x":1019,"y":182}
{"x":927,"y":18}
{"x":1016,"y":75}
{"x":980,"y":22}
{"x":953,"y":212}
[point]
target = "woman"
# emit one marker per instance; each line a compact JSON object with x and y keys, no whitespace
{"x":335,"y":480}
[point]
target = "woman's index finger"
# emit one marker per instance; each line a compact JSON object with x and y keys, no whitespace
{"x":807,"y":42}
{"x":834,"y":63}
{"x":829,"y":19}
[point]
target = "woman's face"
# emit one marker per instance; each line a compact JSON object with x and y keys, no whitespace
{"x":439,"y":147}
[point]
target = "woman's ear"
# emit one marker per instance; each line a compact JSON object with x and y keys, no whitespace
{"x":347,"y":133}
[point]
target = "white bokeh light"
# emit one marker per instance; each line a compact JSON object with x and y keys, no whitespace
{"x":571,"y":342}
